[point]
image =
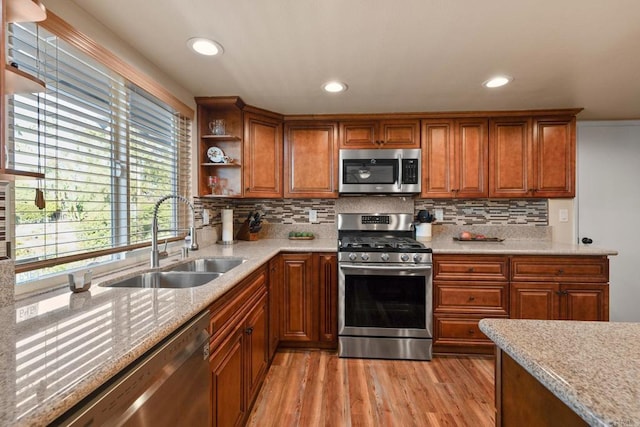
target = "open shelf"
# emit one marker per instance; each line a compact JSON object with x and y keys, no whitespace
{"x":17,"y":81}
{"x":224,"y":165}
{"x":25,"y":11}
{"x":222,"y":137}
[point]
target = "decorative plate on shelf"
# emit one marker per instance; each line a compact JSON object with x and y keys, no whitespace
{"x":215,"y":154}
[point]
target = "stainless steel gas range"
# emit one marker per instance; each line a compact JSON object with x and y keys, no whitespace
{"x":384,"y":288}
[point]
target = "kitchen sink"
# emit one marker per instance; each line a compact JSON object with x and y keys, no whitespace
{"x":165,"y":279}
{"x":216,"y":265}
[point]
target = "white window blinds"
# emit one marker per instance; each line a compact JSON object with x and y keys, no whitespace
{"x":109,"y":150}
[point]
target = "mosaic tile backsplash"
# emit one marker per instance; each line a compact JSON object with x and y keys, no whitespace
{"x":455,"y":212}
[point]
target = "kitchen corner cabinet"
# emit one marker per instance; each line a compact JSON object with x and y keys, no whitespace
{"x":311,"y":159}
{"x":532,"y":157}
{"x":231,"y":143}
{"x":239,"y":349}
{"x":308,"y":310}
{"x":262,"y":159}
{"x":560,"y":288}
{"x":389,"y":133}
{"x":466,"y":289}
{"x":455,"y":158}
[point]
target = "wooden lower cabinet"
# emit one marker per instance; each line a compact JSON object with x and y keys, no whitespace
{"x":275,"y":292}
{"x":467,"y":288}
{"x":560,"y":287}
{"x":308,"y":307}
{"x":521,"y":400}
{"x":239,"y":354}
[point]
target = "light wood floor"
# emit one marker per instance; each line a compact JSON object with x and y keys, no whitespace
{"x":316,"y":388}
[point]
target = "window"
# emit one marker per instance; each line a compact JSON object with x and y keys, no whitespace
{"x":108,"y":148}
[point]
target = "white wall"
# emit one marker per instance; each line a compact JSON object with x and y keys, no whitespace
{"x":608,"y":205}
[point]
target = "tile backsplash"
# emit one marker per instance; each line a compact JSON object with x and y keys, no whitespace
{"x":532,"y":212}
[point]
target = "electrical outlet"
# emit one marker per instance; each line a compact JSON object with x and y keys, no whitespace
{"x":313,"y":215}
{"x":439,"y":214}
{"x":563,"y":215}
{"x":205,"y":217}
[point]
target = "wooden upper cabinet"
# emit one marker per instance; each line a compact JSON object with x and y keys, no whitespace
{"x":532,"y":157}
{"x":311,"y":159}
{"x":510,"y":157}
{"x":262,"y":156}
{"x":555,"y":156}
{"x":454,"y":158}
{"x":392,"y":133}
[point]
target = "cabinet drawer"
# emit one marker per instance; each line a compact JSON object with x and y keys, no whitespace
{"x":457,"y":329}
{"x":224,"y":310}
{"x":468,"y":297}
{"x":464,"y":267}
{"x":560,"y":269}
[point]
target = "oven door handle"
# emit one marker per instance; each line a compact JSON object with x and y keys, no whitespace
{"x":385,"y":267}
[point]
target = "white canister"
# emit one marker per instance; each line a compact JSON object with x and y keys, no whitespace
{"x":227,"y":225}
{"x":423,"y":231}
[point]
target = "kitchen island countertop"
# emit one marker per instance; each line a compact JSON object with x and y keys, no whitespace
{"x":593,"y":367}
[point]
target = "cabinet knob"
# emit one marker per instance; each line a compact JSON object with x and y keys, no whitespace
{"x":471,"y":332}
{"x":249,"y":330}
{"x":470,"y":270}
{"x":560,"y":272}
{"x":472,"y":298}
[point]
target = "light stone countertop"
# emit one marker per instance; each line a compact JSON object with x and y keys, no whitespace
{"x":58,"y":347}
{"x":593,"y":367}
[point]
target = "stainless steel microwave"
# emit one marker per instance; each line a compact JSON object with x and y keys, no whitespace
{"x":381,"y":171}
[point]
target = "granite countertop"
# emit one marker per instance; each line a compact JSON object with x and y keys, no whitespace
{"x":593,"y":367}
{"x":446,"y":245}
{"x":58,"y":347}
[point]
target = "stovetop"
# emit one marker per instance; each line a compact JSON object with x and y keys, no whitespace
{"x":356,"y":243}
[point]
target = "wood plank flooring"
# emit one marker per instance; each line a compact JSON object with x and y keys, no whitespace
{"x":316,"y":388}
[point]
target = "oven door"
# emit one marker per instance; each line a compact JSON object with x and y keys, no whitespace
{"x":385,"y":300}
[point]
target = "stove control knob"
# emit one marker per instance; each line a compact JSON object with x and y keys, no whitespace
{"x":364,"y":257}
{"x":384,"y":257}
{"x":404,"y":257}
{"x":417,"y":258}
{"x":352,"y":256}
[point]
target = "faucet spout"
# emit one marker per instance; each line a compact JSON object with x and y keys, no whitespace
{"x":155,"y":253}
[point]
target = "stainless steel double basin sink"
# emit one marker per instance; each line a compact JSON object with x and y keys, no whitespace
{"x":188,"y":274}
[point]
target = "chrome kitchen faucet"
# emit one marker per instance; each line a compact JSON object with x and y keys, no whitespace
{"x":155,"y":254}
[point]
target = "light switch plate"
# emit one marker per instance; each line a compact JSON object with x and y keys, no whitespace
{"x":205,"y":217}
{"x":439,"y":214}
{"x":563,"y":215}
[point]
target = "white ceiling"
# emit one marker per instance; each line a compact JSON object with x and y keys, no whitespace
{"x":395,"y":55}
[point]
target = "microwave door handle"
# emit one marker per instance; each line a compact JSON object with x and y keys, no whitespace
{"x":399,"y":183}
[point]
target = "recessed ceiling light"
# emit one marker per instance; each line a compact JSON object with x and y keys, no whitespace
{"x":334,"y":87}
{"x":205,"y":46}
{"x":497,"y":81}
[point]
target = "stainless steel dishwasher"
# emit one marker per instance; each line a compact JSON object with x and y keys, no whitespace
{"x":168,"y":386}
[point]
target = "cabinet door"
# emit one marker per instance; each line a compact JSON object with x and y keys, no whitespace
{"x":555,"y":154}
{"x":534,"y":301}
{"x":275,"y":290}
{"x":400,"y":133}
{"x":256,"y":332}
{"x":471,"y":165}
{"x":438,"y":170}
{"x":299,"y":299}
{"x":227,"y":363}
{"x":510,"y":157}
{"x":262,"y":156}
{"x":584,"y":302}
{"x":311,"y":160}
{"x":328,"y":284}
{"x":359,"y":134}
